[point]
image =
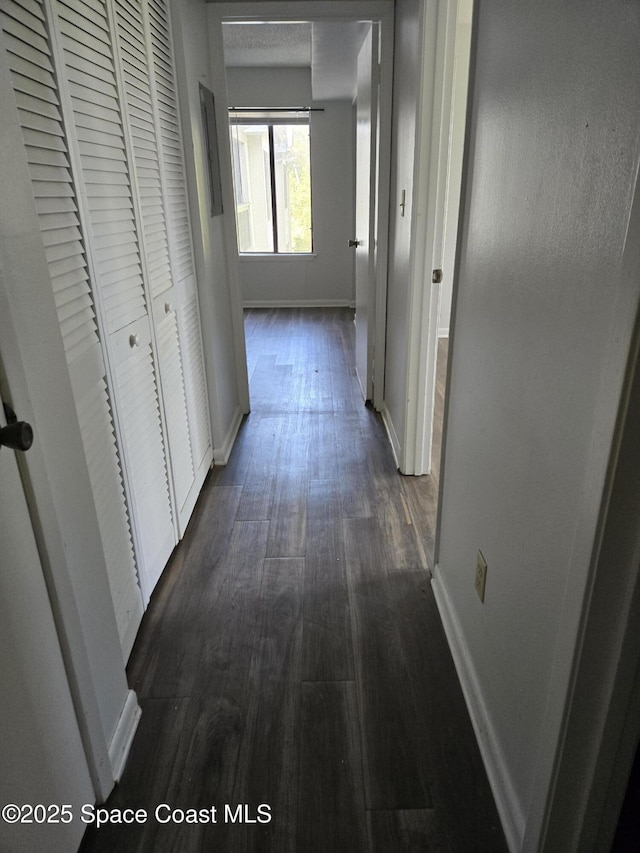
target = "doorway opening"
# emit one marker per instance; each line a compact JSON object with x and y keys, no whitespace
{"x":304,"y":59}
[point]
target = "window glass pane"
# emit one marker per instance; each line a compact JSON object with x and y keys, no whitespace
{"x":293,"y":187}
{"x":260,"y":196}
{"x":252,"y":187}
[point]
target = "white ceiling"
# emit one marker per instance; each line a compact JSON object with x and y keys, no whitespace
{"x":329,"y":49}
{"x":284,"y":45}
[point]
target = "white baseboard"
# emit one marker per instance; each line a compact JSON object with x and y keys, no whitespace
{"x":507,"y":803}
{"x":221,"y":454}
{"x":391,"y":433}
{"x":133,"y":624}
{"x":123,"y":735}
{"x":299,"y":303}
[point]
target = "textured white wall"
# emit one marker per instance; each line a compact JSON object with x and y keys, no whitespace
{"x":542,"y":320}
{"x":329,"y":277}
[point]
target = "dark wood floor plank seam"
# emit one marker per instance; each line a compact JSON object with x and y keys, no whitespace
{"x":331,"y":814}
{"x":395,"y":773}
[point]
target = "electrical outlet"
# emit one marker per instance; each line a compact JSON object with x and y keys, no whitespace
{"x":481,"y":575}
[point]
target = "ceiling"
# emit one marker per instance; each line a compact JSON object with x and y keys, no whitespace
{"x":329,"y":49}
{"x":284,"y":45}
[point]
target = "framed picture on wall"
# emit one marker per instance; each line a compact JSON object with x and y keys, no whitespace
{"x":211,"y":150}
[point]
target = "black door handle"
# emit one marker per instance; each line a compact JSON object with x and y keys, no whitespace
{"x":17,"y":435}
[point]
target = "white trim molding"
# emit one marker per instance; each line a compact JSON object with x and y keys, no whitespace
{"x":507,"y":803}
{"x":391,"y":434}
{"x":122,"y":739}
{"x":299,"y":303}
{"x":272,"y":257}
{"x":302,"y":10}
{"x":221,"y":454}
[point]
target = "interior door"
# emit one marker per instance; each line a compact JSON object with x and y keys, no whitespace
{"x":41,"y":754}
{"x":88,"y":69}
{"x":366,"y":122}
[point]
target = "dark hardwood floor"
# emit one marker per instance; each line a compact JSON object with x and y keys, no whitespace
{"x":292,"y":654}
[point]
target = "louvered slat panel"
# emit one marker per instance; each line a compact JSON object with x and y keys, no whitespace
{"x":75,"y":17}
{"x":30,"y":31}
{"x":104,"y":471}
{"x":146,"y":465}
{"x":32,"y":86}
{"x":171,"y":143}
{"x":89,"y":138}
{"x":195,"y":383}
{"x":89,"y":62}
{"x":25,"y":12}
{"x":133,"y":53}
{"x":176,"y":410}
{"x":39,"y":110}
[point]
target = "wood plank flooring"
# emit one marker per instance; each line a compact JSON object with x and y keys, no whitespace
{"x":292,"y":654}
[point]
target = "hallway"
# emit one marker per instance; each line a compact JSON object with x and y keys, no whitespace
{"x":292,"y":654}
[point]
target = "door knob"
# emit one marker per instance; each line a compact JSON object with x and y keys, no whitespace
{"x":353,"y":243}
{"x":17,"y":435}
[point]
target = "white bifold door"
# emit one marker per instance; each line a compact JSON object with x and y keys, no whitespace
{"x":96,"y":101}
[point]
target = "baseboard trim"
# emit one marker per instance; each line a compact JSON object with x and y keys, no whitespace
{"x":299,"y":303}
{"x":396,"y":448}
{"x":507,"y":803}
{"x":133,"y":625}
{"x":123,"y":735}
{"x":221,"y":454}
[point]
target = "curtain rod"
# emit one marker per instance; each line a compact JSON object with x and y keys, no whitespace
{"x":277,"y":109}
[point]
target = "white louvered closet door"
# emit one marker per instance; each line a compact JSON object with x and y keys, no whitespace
{"x":28,"y":47}
{"x":180,"y":244}
{"x":95,"y":88}
{"x":137,"y":85}
{"x":87,"y":62}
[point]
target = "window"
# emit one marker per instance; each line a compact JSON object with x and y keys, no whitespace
{"x":272,"y":180}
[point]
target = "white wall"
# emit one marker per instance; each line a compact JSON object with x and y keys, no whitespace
{"x":327,"y":278}
{"x":541,"y":328}
{"x":220,"y":304}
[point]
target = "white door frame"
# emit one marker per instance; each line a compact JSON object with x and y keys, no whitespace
{"x":431,"y":184}
{"x":376,"y":11}
{"x":366,"y":143}
{"x":41,"y":749}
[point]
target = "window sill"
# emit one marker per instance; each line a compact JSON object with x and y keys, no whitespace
{"x":272,"y":256}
